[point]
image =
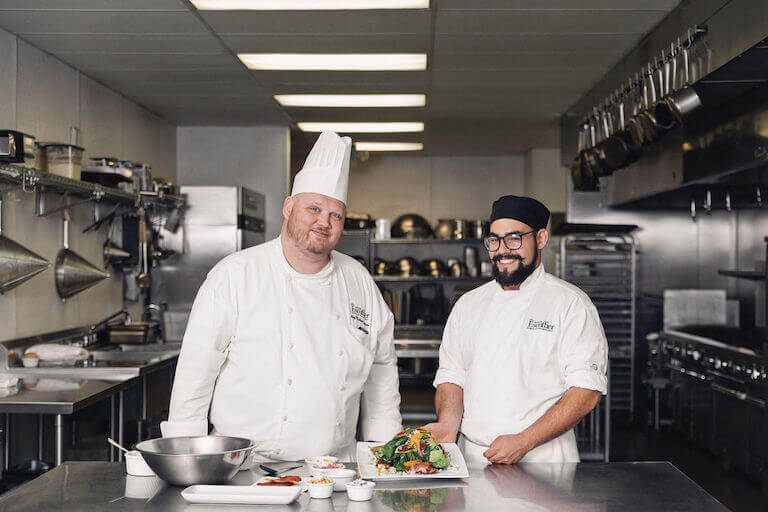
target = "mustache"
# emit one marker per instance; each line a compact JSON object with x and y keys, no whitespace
{"x":498,"y":257}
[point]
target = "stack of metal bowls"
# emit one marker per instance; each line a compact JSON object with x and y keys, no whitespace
{"x":187,"y":461}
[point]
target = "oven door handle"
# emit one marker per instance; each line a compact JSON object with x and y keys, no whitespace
{"x":739,"y":395}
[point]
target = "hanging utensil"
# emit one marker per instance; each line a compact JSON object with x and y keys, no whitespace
{"x":144,"y":280}
{"x":113,"y":253}
{"x":681,"y":103}
{"x":620,"y":148}
{"x":17,"y":263}
{"x":634,"y":125}
{"x":650,"y":129}
{"x":73,"y":273}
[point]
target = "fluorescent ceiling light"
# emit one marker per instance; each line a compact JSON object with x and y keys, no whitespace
{"x":362,"y":127}
{"x":351,"y":100}
{"x":306,"y":5}
{"x":389,"y":146}
{"x":335,"y":61}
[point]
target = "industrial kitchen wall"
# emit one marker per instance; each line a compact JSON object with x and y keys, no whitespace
{"x":44,"y":97}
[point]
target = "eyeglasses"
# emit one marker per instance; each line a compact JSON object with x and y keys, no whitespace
{"x":512,"y":241}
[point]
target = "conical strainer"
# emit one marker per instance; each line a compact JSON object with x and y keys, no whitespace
{"x":17,"y":263}
{"x":73,"y":272}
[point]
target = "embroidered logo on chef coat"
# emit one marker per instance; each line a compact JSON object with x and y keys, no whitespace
{"x":360,"y":318}
{"x":541,"y":325}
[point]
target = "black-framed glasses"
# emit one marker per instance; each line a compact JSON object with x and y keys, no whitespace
{"x":512,"y":241}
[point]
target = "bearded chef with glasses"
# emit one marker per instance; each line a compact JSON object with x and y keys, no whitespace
{"x":523,"y":358}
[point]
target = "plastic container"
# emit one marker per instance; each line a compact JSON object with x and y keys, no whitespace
{"x":136,"y":465}
{"x":320,"y":490}
{"x":64,"y":159}
{"x":30,"y":360}
{"x":360,"y":490}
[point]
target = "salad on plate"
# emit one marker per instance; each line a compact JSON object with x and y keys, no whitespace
{"x":412,"y":451}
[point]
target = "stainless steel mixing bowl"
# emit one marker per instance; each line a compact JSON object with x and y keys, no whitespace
{"x":196,"y":460}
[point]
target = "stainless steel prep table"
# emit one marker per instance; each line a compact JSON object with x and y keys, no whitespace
{"x":93,"y":389}
{"x":624,"y":486}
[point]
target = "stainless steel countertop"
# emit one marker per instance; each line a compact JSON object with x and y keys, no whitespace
{"x":78,"y":387}
{"x":624,"y":486}
{"x":72,"y":395}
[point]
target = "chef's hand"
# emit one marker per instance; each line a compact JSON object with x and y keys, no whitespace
{"x":443,"y":432}
{"x":508,"y":449}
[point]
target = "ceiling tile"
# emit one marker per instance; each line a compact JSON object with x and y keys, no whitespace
{"x":613,"y":5}
{"x":485,"y":22}
{"x":125,"y":43}
{"x":150,"y":61}
{"x":93,"y":22}
{"x":97,"y":5}
{"x":530,"y":60}
{"x":528,"y":42}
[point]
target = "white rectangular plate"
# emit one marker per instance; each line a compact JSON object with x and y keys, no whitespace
{"x":367,"y":465}
{"x":241,"y":494}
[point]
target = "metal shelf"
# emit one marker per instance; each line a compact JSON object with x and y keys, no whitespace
{"x":604,"y":268}
{"x":33,"y":179}
{"x":752,"y":275}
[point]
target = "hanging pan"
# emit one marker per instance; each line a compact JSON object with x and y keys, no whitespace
{"x":73,"y":272}
{"x":17,"y":264}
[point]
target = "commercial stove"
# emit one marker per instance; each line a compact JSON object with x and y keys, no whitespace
{"x":719,"y":391}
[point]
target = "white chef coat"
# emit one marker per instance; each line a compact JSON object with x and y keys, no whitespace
{"x":282,"y":358}
{"x":515,"y":353}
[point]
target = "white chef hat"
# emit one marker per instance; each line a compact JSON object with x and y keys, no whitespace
{"x":326,"y":170}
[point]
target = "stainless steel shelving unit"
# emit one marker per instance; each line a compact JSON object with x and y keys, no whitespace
{"x":603,"y":266}
{"x":31,"y":180}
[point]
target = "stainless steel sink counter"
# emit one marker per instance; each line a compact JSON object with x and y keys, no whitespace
{"x":42,"y":395}
{"x":64,"y":390}
{"x":628,"y":487}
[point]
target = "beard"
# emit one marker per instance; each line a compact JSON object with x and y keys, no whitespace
{"x":303,"y":239}
{"x":517,"y":276}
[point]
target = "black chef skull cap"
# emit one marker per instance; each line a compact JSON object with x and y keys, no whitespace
{"x":525,"y":209}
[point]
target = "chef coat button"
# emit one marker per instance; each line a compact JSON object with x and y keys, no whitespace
{"x":341,"y":353}
{"x":338,"y":423}
{"x":338,"y":317}
{"x":290,"y":310}
{"x":285,"y":418}
{"x":342,"y":388}
{"x":290,"y":346}
{"x":290,"y":381}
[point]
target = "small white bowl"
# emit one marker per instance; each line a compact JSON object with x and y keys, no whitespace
{"x":340,"y":477}
{"x":319,"y":472}
{"x":320,"y":459}
{"x":136,"y":465}
{"x":30,"y":362}
{"x":357,"y":492}
{"x":320,"y":491}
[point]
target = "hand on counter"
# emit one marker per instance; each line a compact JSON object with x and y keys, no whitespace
{"x":443,"y":432}
{"x":508,"y":449}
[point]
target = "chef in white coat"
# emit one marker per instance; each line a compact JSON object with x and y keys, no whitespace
{"x":289,"y":341}
{"x":523,"y":357}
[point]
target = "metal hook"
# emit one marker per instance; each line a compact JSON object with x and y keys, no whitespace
{"x":708,"y":203}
